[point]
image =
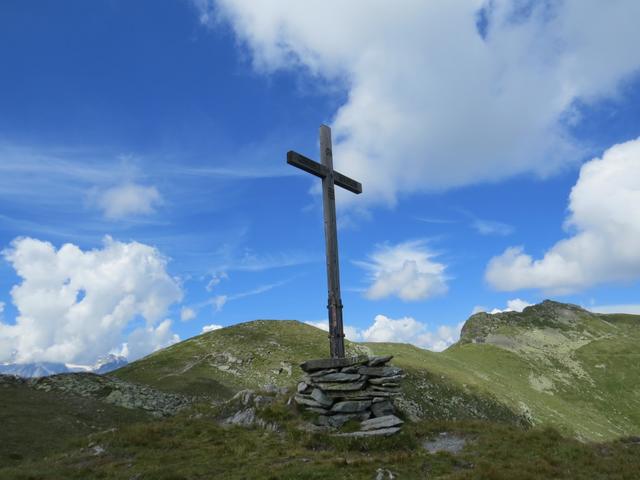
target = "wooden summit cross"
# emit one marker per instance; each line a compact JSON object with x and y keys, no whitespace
{"x":329,"y":178}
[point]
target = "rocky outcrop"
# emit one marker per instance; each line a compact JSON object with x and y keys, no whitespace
{"x":244,"y":409}
{"x":114,"y":391}
{"x":337,"y":390}
{"x":547,"y":314}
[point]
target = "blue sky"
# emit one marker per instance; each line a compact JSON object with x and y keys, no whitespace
{"x":151,"y":137}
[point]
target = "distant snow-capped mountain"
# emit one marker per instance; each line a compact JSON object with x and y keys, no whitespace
{"x":36,"y":369}
{"x":108,"y":363}
{"x":104,"y":364}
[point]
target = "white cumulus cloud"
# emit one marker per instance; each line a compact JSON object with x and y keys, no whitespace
{"x":405,"y":270}
{"x":211,"y":328}
{"x":128,"y":199}
{"x":515,"y":305}
{"x":442,"y":94}
{"x":148,"y":339}
{"x":75,"y":305}
{"x":604,"y":214}
{"x":350,"y":333}
{"x":409,"y":330}
{"x":402,"y":330}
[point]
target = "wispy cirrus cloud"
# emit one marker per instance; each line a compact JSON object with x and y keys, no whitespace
{"x":219,"y":301}
{"x":250,"y":261}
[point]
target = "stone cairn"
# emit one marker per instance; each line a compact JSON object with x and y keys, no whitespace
{"x":354,"y":388}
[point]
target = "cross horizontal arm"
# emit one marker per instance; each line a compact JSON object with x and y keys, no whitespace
{"x":306,"y":164}
{"x":319,"y":170}
{"x":346,"y":182}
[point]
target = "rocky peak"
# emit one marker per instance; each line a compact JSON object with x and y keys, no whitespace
{"x":546,"y":314}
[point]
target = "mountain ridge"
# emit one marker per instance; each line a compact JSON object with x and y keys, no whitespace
{"x":553,"y":363}
{"x":104,"y":364}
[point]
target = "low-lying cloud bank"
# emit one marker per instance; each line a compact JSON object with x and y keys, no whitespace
{"x":401,"y":330}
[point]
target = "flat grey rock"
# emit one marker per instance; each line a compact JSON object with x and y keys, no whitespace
{"x":360,"y":394}
{"x":303,"y":387}
{"x":371,"y":433}
{"x":379,"y":360}
{"x":351,"y":406}
{"x":306,"y":400}
{"x":338,"y":420}
{"x":353,"y":369}
{"x":376,"y":423}
{"x":318,"y":410}
{"x":328,"y":363}
{"x":319,"y":396}
{"x":382,"y":409}
{"x":338,"y":377}
{"x":338,"y":386}
{"x":445,"y":442}
{"x":319,"y":373}
{"x":381,"y":393}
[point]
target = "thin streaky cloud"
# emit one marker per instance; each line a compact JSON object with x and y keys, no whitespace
{"x":633,"y":309}
{"x":435,"y":220}
{"x":249,"y":293}
{"x":233,"y":173}
{"x":485,"y":226}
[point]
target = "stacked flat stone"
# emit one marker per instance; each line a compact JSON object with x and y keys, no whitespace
{"x":354,"y":388}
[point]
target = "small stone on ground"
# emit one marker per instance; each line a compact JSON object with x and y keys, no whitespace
{"x":446,"y":442}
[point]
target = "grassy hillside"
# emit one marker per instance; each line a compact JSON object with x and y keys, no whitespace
{"x":553,"y":364}
{"x":555,"y":369}
{"x":186,"y":447}
{"x":36,"y":422}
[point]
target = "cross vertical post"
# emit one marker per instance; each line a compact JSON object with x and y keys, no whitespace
{"x":330,"y":178}
{"x":334,"y":304}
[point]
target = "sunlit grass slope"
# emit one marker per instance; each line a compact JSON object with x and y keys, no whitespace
{"x":552,"y":364}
